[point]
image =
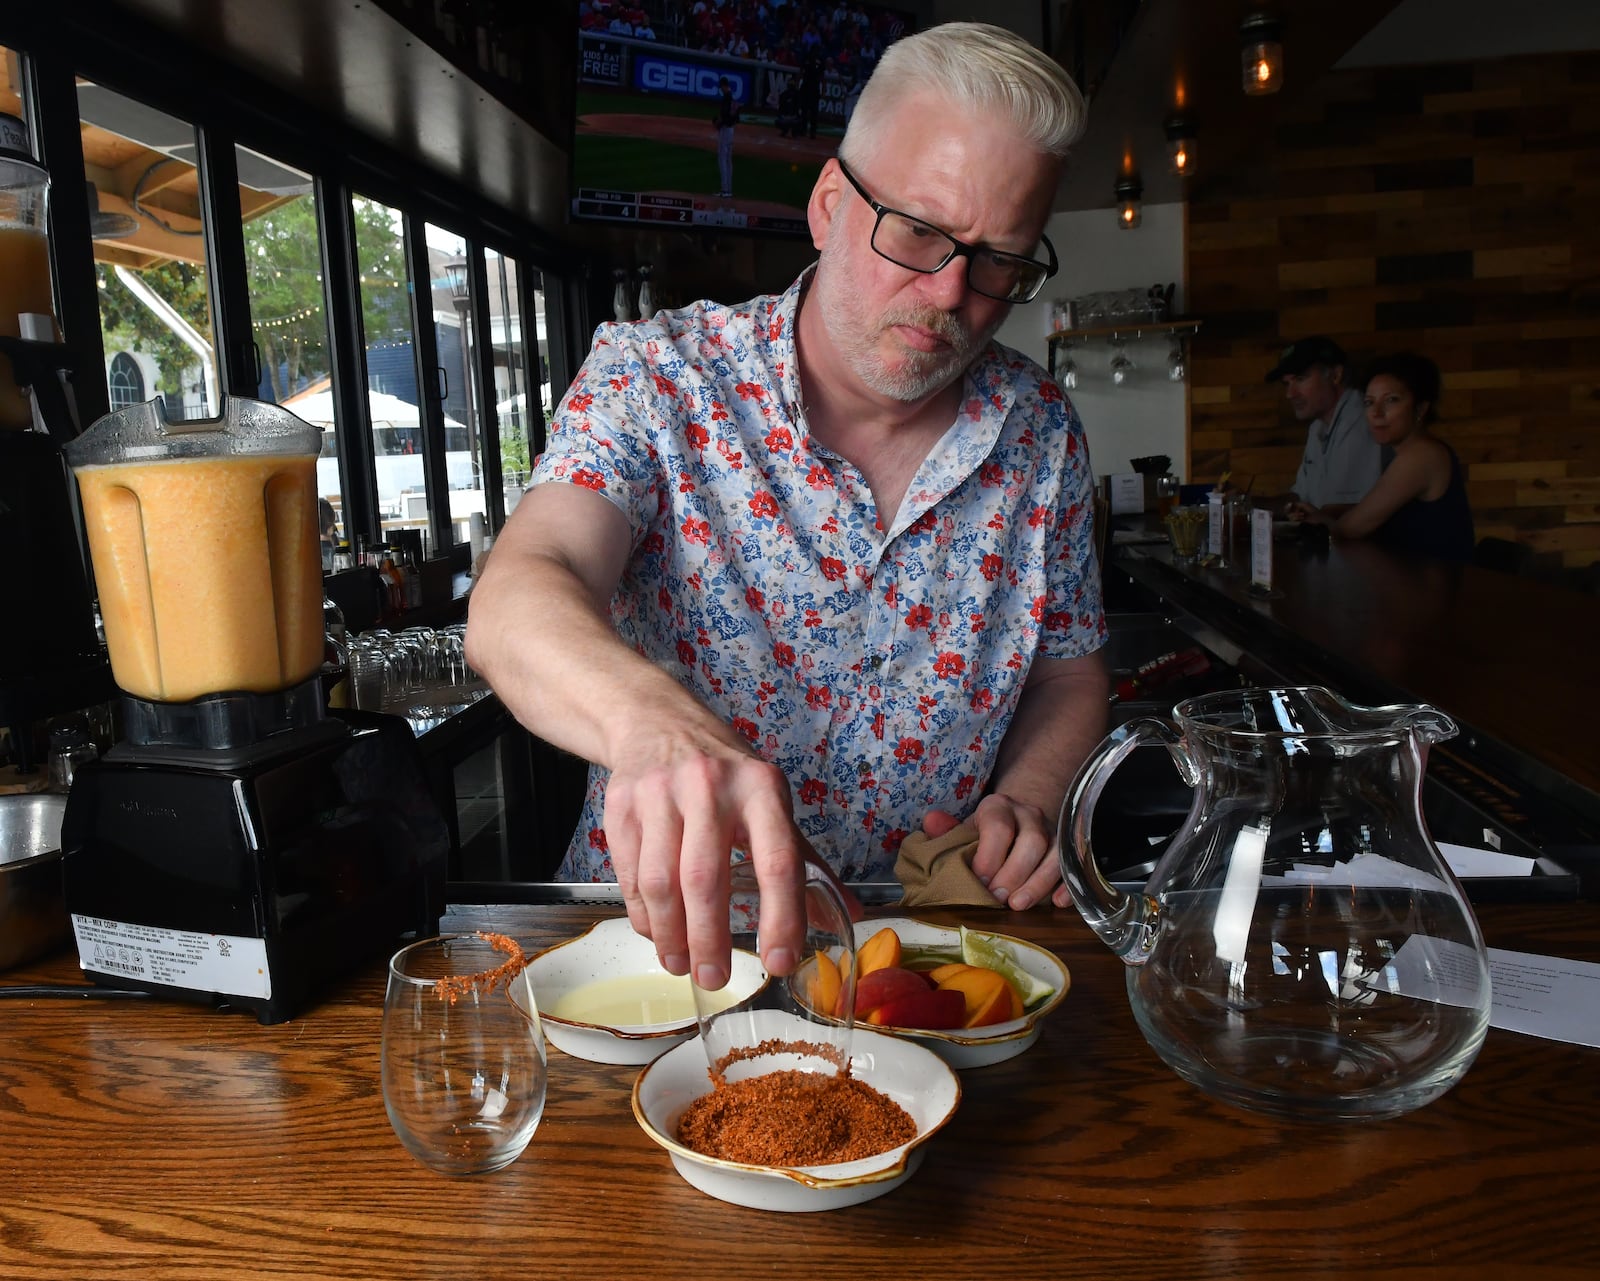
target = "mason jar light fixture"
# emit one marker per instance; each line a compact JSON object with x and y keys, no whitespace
{"x":1261,"y":54}
{"x":1128,"y":192}
{"x":1180,"y":146}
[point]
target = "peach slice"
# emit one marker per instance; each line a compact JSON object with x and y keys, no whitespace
{"x":996,"y":1009}
{"x":880,"y":952}
{"x":932,"y":1008}
{"x":981,"y":989}
{"x":827,"y":985}
{"x":883,"y":986}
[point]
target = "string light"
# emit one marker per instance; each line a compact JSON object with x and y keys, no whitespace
{"x":293,"y":318}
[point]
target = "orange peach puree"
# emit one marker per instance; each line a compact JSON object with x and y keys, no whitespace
{"x":209,"y":571}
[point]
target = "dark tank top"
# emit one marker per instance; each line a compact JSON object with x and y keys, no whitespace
{"x":1441,"y":529}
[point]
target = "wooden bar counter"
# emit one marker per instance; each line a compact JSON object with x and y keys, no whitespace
{"x":1511,"y":659}
{"x":144,"y":1139}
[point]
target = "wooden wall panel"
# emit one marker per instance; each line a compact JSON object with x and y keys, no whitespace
{"x":1453,"y":210}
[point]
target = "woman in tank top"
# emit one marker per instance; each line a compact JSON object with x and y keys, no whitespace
{"x":1419,"y":504}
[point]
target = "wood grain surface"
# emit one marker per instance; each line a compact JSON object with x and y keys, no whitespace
{"x":146,"y":1139}
{"x":1443,"y":208}
{"x":1505,"y":655}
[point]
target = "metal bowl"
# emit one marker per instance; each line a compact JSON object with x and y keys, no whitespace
{"x":33,"y":917}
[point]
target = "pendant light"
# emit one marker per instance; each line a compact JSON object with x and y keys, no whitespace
{"x":1128,"y":192}
{"x":1180,"y":146}
{"x":1261,"y":54}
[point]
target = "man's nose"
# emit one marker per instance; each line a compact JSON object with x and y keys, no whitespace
{"x":947,"y":287}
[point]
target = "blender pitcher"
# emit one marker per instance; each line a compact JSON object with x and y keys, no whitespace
{"x":1301,"y":948}
{"x":24,"y":258}
{"x":203,"y":534}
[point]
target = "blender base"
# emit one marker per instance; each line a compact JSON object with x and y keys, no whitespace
{"x":253,"y":884}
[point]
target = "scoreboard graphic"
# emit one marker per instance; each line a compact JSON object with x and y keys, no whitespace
{"x":686,"y":211}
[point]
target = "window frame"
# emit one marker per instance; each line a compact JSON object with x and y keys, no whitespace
{"x":229,"y":107}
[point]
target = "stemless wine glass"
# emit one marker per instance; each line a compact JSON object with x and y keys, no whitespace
{"x":463,"y":1053}
{"x":804,"y":1020}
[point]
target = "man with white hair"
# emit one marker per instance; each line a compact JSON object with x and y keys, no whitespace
{"x":803,"y":575}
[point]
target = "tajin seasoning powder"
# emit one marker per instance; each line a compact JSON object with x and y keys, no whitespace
{"x":793,"y":1118}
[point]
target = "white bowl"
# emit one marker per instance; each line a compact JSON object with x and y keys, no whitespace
{"x":612,"y":949}
{"x":920,"y":1082}
{"x":977,"y":1047}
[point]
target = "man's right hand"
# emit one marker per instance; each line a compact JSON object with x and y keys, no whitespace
{"x":684,"y":790}
{"x":672,"y":822}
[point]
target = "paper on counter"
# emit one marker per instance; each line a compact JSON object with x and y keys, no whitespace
{"x":1466,"y":861}
{"x":1545,"y":996}
{"x":1374,"y":869}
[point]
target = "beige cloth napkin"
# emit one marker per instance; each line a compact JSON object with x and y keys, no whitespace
{"x":938,"y":873}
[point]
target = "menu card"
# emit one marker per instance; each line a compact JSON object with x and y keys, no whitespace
{"x":1127,"y":492}
{"x":1261,"y":549}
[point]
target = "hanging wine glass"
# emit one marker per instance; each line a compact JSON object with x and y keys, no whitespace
{"x":1177,"y":366}
{"x":1121,"y":366}
{"x":1067,"y":370}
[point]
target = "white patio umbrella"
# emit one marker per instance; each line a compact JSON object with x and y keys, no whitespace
{"x":519,"y":402}
{"x":316,"y":407}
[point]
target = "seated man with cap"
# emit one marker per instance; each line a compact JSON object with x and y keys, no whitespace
{"x":1341,"y":461}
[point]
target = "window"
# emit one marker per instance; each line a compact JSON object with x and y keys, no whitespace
{"x":457,"y":342}
{"x":393,"y":401}
{"x":150,"y":246}
{"x":288,"y":311}
{"x":517,"y":399}
{"x":126,"y":381}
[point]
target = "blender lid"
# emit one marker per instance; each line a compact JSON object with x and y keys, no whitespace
{"x":144,"y":434}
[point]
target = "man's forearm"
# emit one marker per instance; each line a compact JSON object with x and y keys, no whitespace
{"x":1060,"y":717}
{"x":538,"y":631}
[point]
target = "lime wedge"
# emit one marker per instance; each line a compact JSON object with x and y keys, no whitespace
{"x":990,"y":951}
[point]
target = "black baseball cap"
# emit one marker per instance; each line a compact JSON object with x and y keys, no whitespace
{"x":1298,"y":357}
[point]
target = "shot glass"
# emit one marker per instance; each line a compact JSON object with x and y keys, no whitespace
{"x":464,"y":1070}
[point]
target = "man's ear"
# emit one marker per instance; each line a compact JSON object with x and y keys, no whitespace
{"x":823,"y":207}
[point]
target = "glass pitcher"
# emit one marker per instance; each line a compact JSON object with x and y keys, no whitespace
{"x":1301,"y":948}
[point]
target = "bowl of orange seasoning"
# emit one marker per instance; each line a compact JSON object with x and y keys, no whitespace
{"x":779,"y":1127}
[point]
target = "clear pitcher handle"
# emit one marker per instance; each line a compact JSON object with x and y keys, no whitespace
{"x":1125,"y":922}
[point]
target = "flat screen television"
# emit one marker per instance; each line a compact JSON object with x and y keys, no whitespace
{"x":653,"y":104}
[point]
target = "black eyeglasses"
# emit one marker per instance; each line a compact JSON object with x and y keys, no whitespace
{"x":920,"y":246}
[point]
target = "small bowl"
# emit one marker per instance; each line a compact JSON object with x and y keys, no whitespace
{"x":919,"y":1081}
{"x":612,"y":950}
{"x":33,"y":914}
{"x":977,"y":1047}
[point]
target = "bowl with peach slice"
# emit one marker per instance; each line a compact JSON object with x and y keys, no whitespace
{"x":972,"y":997}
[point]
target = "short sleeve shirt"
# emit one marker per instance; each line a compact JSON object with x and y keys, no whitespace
{"x":878,"y":668}
{"x":1341,"y":461}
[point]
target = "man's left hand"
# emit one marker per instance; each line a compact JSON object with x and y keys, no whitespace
{"x":1016,"y":853}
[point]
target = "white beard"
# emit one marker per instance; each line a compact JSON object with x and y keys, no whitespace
{"x":857,"y":337}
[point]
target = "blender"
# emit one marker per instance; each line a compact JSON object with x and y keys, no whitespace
{"x":50,"y":658}
{"x":239,"y":845}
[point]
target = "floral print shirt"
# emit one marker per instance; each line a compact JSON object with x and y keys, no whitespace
{"x":878,"y":668}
